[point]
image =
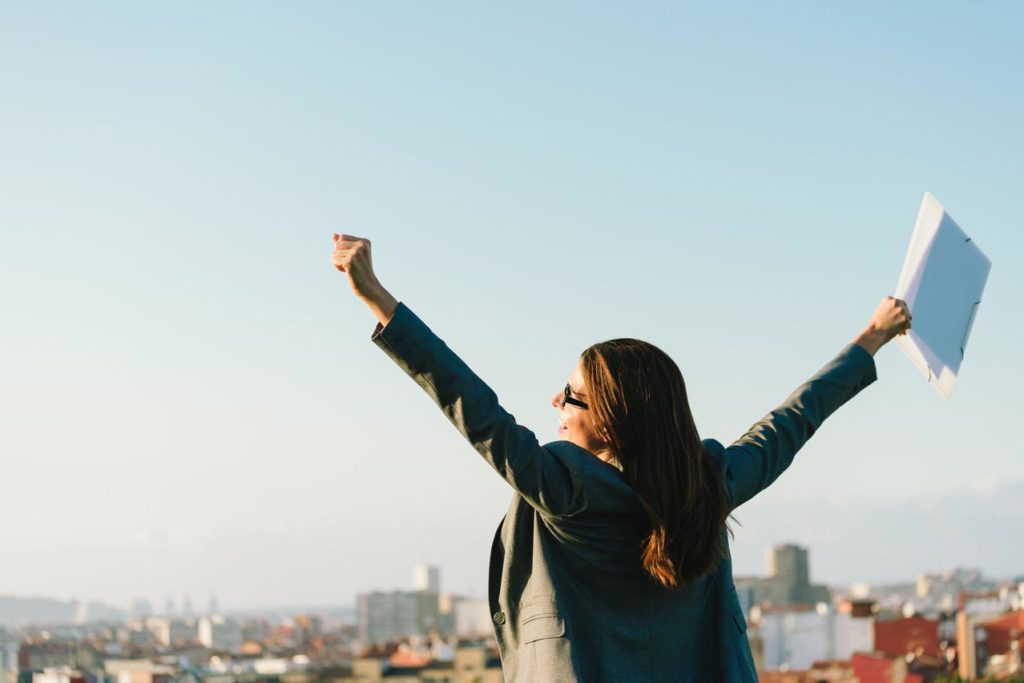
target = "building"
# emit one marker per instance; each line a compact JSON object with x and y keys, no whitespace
{"x":426,"y":578}
{"x":137,"y":671}
{"x":788,"y":581}
{"x":8,"y":657}
{"x":999,"y":644}
{"x":473,"y":618}
{"x":57,"y":675}
{"x":471,"y":664}
{"x":943,"y":590}
{"x":829,"y":671}
{"x":794,"y":637}
{"x":976,"y":610}
{"x":183,"y":632}
{"x":1004,"y":633}
{"x":913,"y":635}
{"x":56,"y":654}
{"x":852,"y":628}
{"x":217,"y":632}
{"x":878,"y":667}
{"x":397,"y":614}
{"x":789,"y":569}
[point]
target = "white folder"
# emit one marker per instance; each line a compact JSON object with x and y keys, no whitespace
{"x":942,"y":280}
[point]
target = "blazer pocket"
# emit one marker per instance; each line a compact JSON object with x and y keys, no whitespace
{"x":540,"y":621}
{"x":543,"y":626}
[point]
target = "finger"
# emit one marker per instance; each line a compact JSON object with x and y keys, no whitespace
{"x":335,"y":236}
{"x":347,"y":245}
{"x":352,"y":253}
{"x":347,"y":257}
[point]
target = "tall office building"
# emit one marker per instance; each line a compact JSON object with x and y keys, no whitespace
{"x":789,"y":563}
{"x":396,"y":614}
{"x":788,"y":581}
{"x":426,"y":577}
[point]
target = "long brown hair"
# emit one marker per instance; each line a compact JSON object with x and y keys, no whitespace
{"x":638,"y":398}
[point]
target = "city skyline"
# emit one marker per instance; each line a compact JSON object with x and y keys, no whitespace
{"x":183,"y":606}
{"x":958,"y":620}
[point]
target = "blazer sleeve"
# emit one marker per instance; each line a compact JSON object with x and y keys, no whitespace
{"x":757,"y":458}
{"x":512,"y":450}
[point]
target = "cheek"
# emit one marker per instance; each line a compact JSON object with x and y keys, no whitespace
{"x":586,"y":427}
{"x":594,"y":433}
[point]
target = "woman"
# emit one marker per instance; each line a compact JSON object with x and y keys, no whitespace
{"x":612,"y":563}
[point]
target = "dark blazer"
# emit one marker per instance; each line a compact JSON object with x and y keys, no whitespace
{"x":569,"y":598}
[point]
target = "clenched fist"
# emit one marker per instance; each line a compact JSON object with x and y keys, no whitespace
{"x":352,"y":257}
{"x":891,"y":318}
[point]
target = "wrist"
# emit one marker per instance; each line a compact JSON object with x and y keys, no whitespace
{"x":380,"y":302}
{"x":370,"y":292}
{"x":871,"y":339}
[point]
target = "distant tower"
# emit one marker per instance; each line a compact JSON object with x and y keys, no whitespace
{"x":426,"y":577}
{"x":186,"y":607}
{"x":169,"y":607}
{"x":790,"y":563}
{"x":789,"y":569}
{"x":213,"y":603}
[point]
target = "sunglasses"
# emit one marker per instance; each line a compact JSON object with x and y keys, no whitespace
{"x":572,"y":401}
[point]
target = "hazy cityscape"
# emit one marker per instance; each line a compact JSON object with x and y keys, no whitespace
{"x":934,"y":626}
{"x":212,"y":474}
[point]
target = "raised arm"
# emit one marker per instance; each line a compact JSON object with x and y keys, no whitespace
{"x":512,"y":450}
{"x":757,"y":458}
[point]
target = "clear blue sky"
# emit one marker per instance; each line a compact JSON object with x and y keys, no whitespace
{"x":189,"y":397}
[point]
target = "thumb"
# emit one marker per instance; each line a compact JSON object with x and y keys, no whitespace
{"x":335,"y":237}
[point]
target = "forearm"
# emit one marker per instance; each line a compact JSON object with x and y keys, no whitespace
{"x":871,"y":339}
{"x":380,"y":303}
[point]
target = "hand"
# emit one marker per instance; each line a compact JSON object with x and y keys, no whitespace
{"x":352,"y":257}
{"x":890,"y":319}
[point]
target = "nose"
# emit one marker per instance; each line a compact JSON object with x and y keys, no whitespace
{"x":556,"y":400}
